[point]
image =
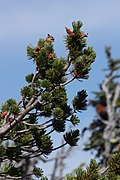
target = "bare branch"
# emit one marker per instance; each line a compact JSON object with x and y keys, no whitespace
{"x":67,"y":65}
{"x":69,"y":81}
{"x":20,"y":101}
{"x":4,"y":129}
{"x":3,"y":176}
{"x":116,"y":96}
{"x":30,"y":102}
{"x":37,"y":125}
{"x":33,"y":79}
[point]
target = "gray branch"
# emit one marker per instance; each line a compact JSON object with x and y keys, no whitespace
{"x":5,"y":128}
{"x":109,"y":132}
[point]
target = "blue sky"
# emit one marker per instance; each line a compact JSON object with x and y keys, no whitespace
{"x":24,"y":22}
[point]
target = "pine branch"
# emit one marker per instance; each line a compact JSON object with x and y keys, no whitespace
{"x":4,"y":129}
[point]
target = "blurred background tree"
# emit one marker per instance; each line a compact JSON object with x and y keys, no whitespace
{"x":104,"y":131}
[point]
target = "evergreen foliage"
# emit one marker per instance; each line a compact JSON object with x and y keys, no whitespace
{"x":93,"y":171}
{"x":26,"y":126}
